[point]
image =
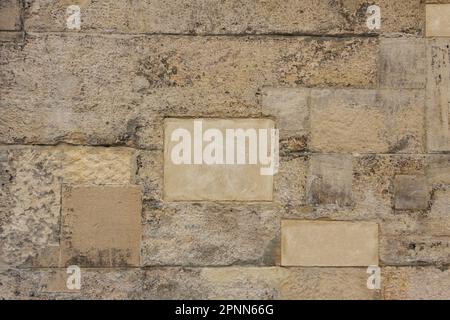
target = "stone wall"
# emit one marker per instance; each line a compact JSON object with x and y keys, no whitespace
{"x":86,"y":179}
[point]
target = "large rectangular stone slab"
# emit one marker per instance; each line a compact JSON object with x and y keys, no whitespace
{"x":231,"y":17}
{"x":367,"y":121}
{"x":328,"y":243}
{"x":437,"y":22}
{"x":101,"y":226}
{"x":438,"y":95}
{"x":195,"y":179}
{"x":211,"y":234}
{"x":116,"y":90}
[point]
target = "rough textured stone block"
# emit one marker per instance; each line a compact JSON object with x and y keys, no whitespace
{"x":402,"y":63}
{"x":352,"y":120}
{"x":231,"y":17}
{"x":330,"y":179}
{"x":411,"y":192}
{"x":30,"y":193}
{"x":437,"y":23}
{"x":438,"y":169}
{"x":10,"y":15}
{"x":216,"y":181}
{"x":116,"y":90}
{"x":101,"y":226}
{"x":204,"y":234}
{"x":328,"y":243}
{"x":416,"y":283}
{"x":438,"y":90}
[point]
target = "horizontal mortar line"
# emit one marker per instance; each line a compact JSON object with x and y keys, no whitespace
{"x":143,"y":268}
{"x":239,"y":35}
{"x":355,"y":154}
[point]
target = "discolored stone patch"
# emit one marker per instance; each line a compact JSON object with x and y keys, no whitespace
{"x":411,"y":192}
{"x":101,"y":226}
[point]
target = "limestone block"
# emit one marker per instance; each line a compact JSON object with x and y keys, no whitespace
{"x":437,"y":98}
{"x":411,"y":192}
{"x":415,"y":283}
{"x":10,"y":15}
{"x":194,"y":179}
{"x":402,"y":63}
{"x":330,"y":179}
{"x":437,"y":23}
{"x":328,"y":243}
{"x":101,"y":226}
{"x":367,"y":121}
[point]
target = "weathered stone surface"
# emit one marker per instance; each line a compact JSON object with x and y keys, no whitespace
{"x":411,"y":192}
{"x":10,"y":15}
{"x":115,"y":90}
{"x":290,"y":108}
{"x":101,"y":226}
{"x":195,"y":283}
{"x":221,"y":180}
{"x":437,"y":23}
{"x":95,"y":284}
{"x":328,"y":243}
{"x":231,"y":17}
{"x":402,"y":63}
{"x":290,"y":181}
{"x":330,"y":179}
{"x":351,"y":120}
{"x":438,"y":88}
{"x":438,"y":169}
{"x":415,"y":283}
{"x":203,"y":234}
{"x":30,"y":192}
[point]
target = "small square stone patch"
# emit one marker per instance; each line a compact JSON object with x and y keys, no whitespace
{"x":101,"y":226}
{"x":411,"y":192}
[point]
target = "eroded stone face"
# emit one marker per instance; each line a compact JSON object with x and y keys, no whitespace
{"x":101,"y":226}
{"x":438,"y":88}
{"x":330,"y":179}
{"x":190,"y":177}
{"x":411,"y":192}
{"x":352,"y":120}
{"x":328,"y":243}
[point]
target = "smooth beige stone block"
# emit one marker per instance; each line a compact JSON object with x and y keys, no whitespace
{"x":328,"y":243}
{"x":437,"y":20}
{"x":101,"y":226}
{"x":228,"y":182}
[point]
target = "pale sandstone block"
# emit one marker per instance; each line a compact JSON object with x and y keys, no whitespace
{"x":101,"y":226}
{"x":437,"y":22}
{"x":360,"y":120}
{"x":415,"y":283}
{"x":238,"y":182}
{"x":328,"y":243}
{"x":10,"y":15}
{"x":330,"y":179}
{"x":402,"y":63}
{"x":56,"y":281}
{"x":411,"y":192}
{"x":438,"y":90}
